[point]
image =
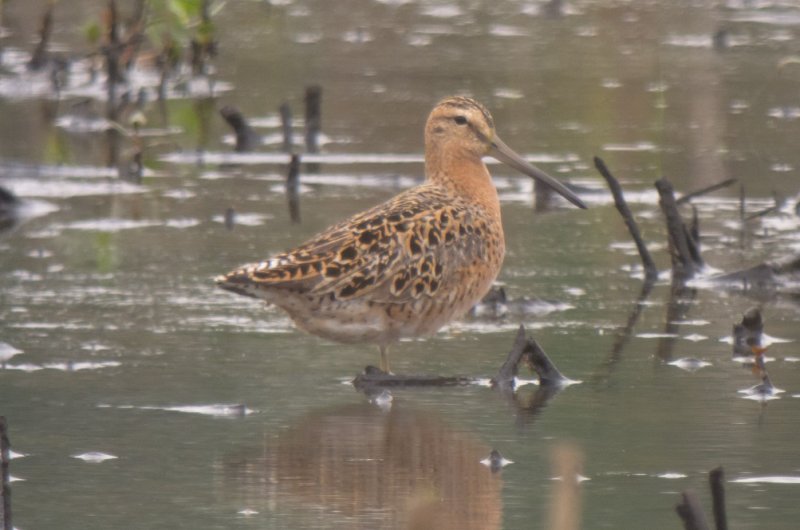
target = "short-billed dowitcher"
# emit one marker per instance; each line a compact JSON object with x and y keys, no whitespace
{"x":409,"y":266}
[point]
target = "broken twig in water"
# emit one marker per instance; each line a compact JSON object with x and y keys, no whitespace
{"x":691,"y":512}
{"x":684,"y":253}
{"x":246,"y":138}
{"x":39,"y":56}
{"x":650,"y":270}
{"x":708,"y":189}
{"x":293,"y":188}
{"x":111,"y":52}
{"x":526,"y":348}
{"x":5,"y":457}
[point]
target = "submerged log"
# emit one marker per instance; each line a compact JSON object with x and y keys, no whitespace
{"x":524,"y":349}
{"x":372,"y":376}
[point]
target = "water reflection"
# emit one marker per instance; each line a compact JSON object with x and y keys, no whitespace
{"x":365,"y":468}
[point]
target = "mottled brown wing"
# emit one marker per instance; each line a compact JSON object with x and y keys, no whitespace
{"x":401,"y":250}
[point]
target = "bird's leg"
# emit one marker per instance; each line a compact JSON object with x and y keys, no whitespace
{"x":384,"y":358}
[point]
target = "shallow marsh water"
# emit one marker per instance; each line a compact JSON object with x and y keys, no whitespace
{"x":220,"y":415}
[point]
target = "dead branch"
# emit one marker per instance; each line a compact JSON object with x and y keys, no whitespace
{"x":246,"y":138}
{"x":716,"y":479}
{"x":684,"y":253}
{"x":375,"y":377}
{"x":708,"y":189}
{"x":691,"y":512}
{"x":293,"y":188}
{"x":39,"y":56}
{"x":650,"y":270}
{"x":524,"y":348}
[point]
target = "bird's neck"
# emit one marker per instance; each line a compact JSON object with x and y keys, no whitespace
{"x":465,"y":174}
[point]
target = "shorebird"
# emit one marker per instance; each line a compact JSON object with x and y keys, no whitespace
{"x":406,"y":267}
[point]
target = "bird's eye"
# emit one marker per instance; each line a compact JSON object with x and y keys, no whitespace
{"x":461,"y":120}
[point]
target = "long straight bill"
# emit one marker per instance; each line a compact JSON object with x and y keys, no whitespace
{"x":506,"y":155}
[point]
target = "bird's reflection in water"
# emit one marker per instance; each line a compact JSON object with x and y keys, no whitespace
{"x":359,"y":467}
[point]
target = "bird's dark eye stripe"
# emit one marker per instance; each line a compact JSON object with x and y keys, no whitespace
{"x":461,"y":120}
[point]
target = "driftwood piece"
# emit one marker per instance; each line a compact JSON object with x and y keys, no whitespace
{"x":524,"y":349}
{"x":373,"y":376}
{"x":716,"y":480}
{"x":504,"y":380}
{"x":527,"y":349}
{"x":246,"y":138}
{"x":293,"y":188}
{"x":650,"y":270}
{"x":112,"y":52}
{"x":691,"y":513}
{"x":39,"y":56}
{"x":5,"y":478}
{"x":708,"y":189}
{"x":541,"y":363}
{"x":683,"y":249}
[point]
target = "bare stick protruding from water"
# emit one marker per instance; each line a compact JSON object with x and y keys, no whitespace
{"x":691,"y":512}
{"x":683,"y":249}
{"x":708,"y":189}
{"x":650,"y":270}
{"x":527,"y":349}
{"x":286,"y":127}
{"x":246,"y":138}
{"x":313,"y":100}
{"x":5,"y":457}
{"x":112,"y":60}
{"x":293,"y":188}
{"x":39,"y":56}
{"x":716,"y":479}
